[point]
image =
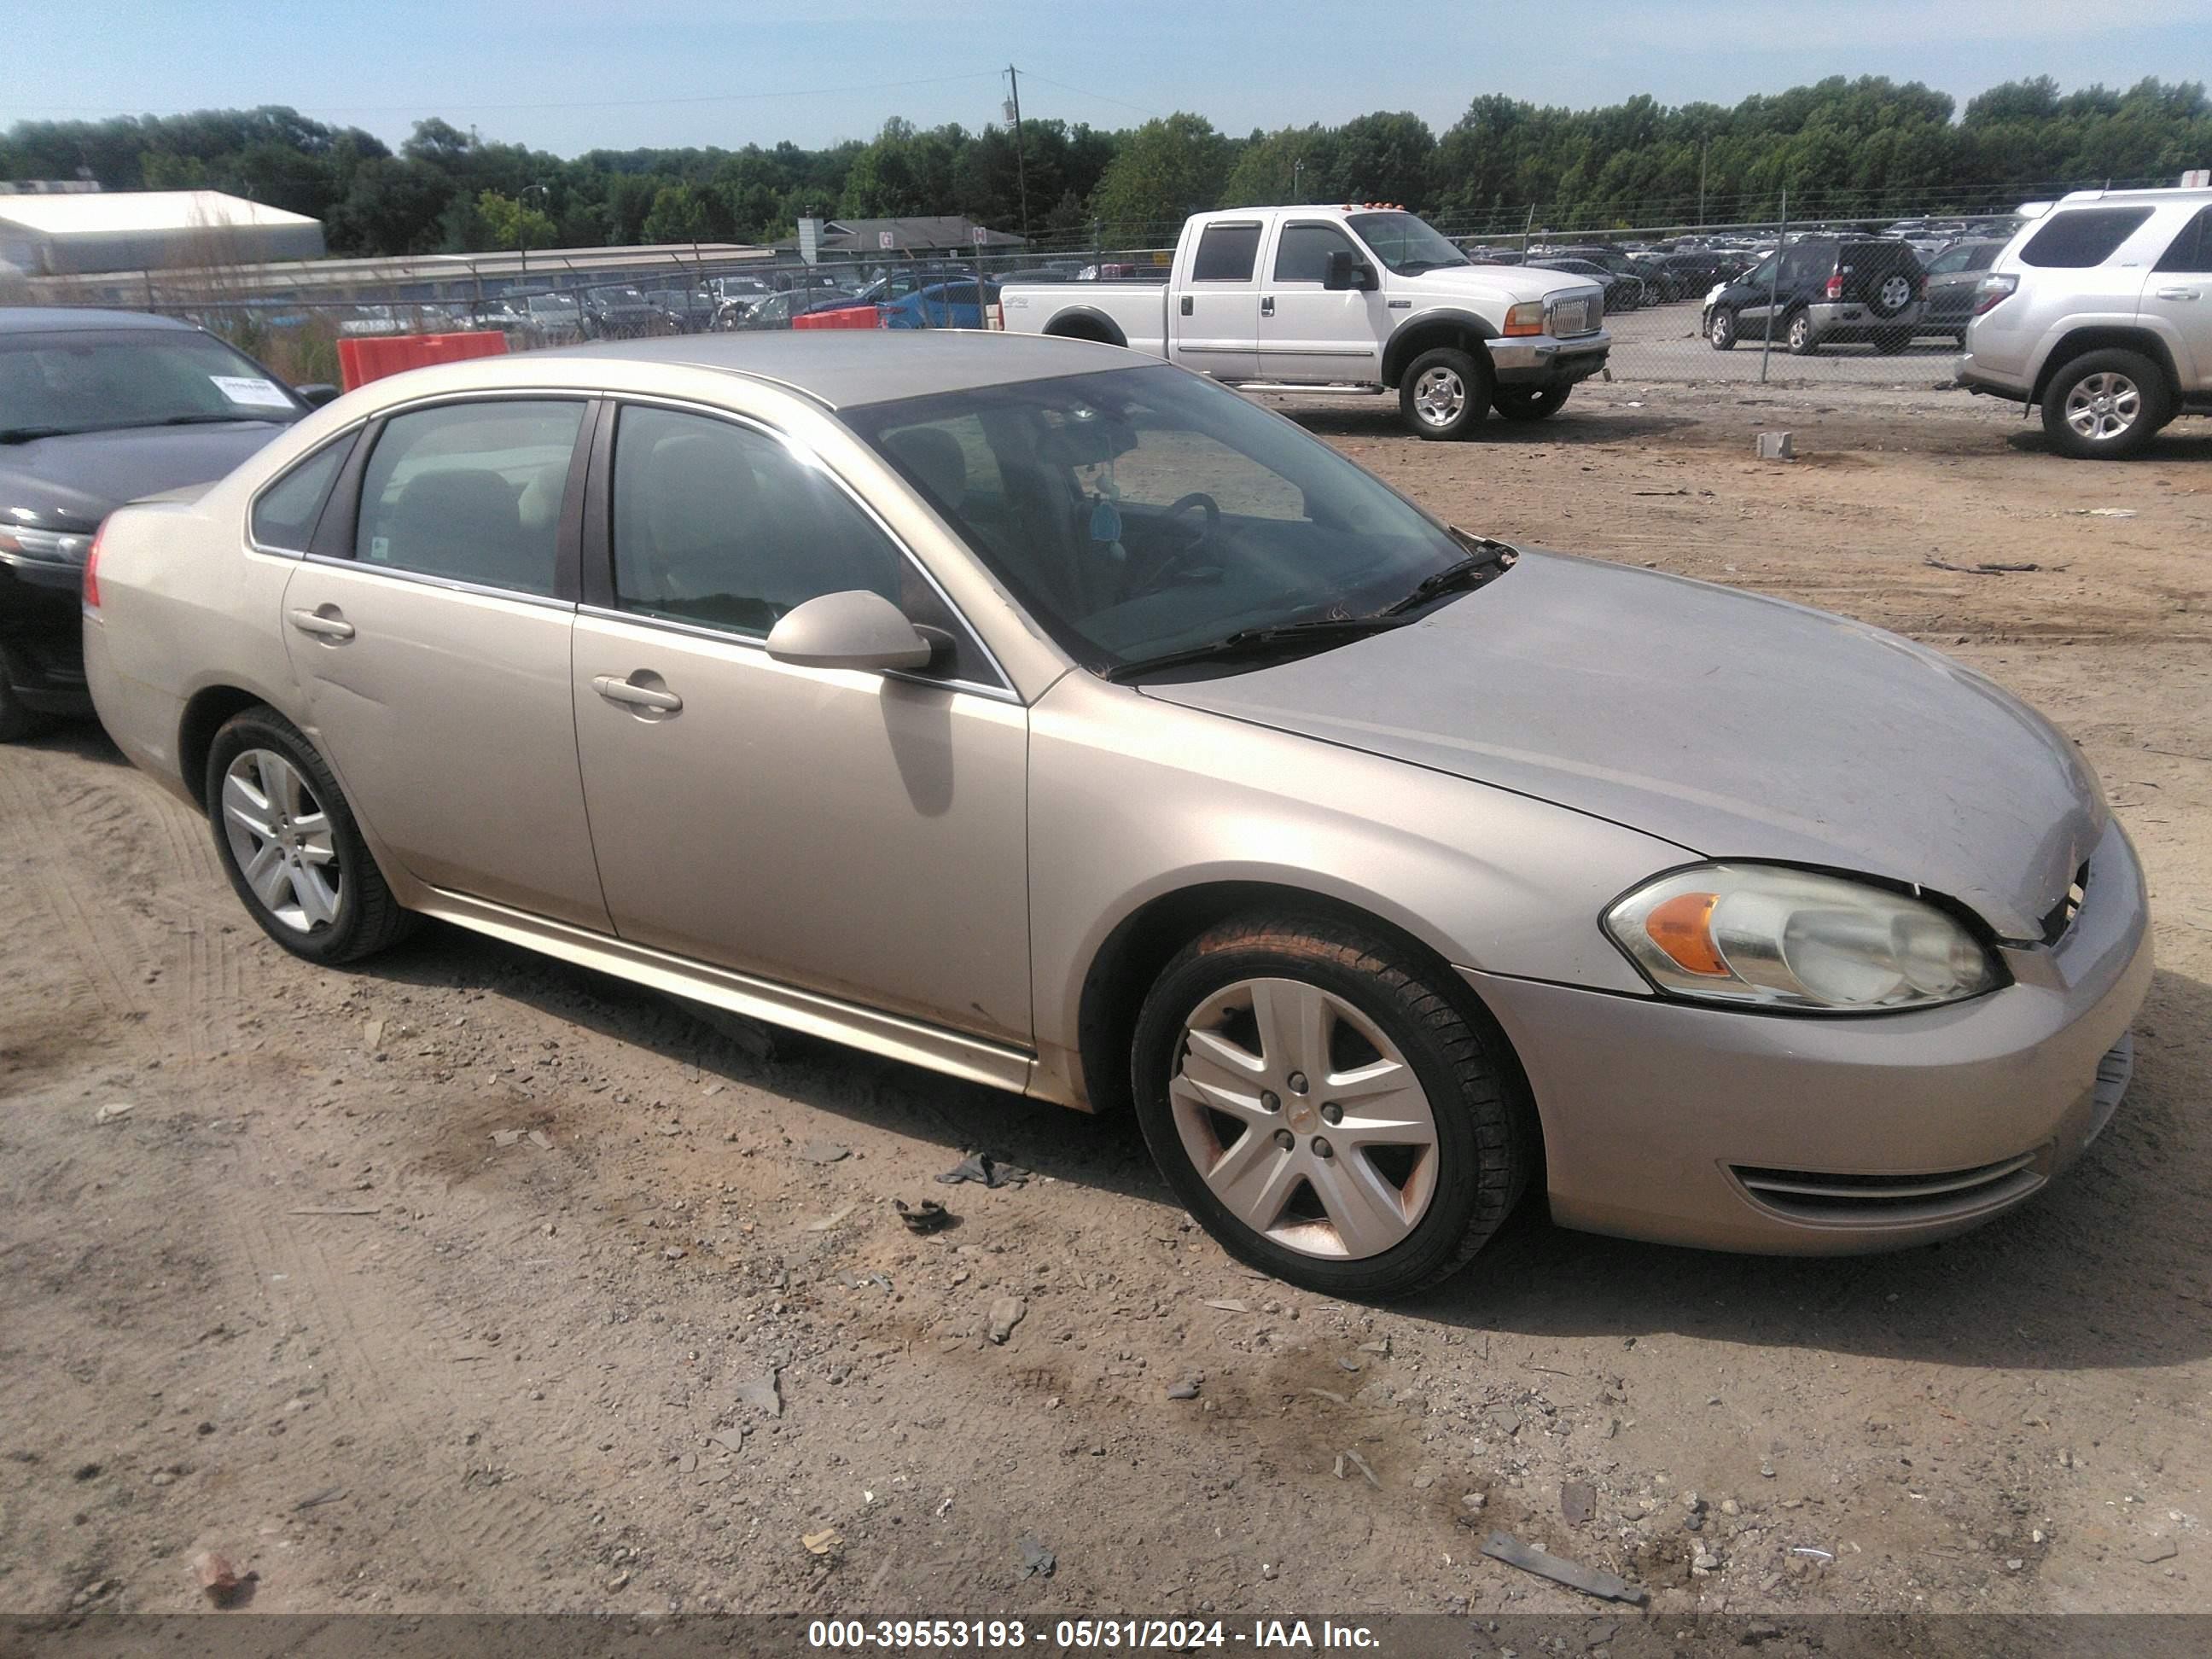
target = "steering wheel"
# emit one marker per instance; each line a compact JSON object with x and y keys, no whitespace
{"x":1181,"y":558}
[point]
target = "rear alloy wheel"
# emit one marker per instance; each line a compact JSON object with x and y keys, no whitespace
{"x":1529,"y":403}
{"x":1326,"y":1112}
{"x":1892,"y":295}
{"x":2105,"y":405}
{"x":1798,"y":334}
{"x":1720,"y":329}
{"x":1445,"y":393}
{"x":289,"y":844}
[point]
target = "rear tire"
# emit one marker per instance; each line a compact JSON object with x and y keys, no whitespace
{"x":2105,"y":405}
{"x":1798,"y":334}
{"x":1444,"y":393}
{"x":1529,"y":403}
{"x":1238,"y":1050}
{"x":288,"y":842}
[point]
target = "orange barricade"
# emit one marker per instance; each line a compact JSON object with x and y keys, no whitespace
{"x":845,"y":317}
{"x":363,"y":361}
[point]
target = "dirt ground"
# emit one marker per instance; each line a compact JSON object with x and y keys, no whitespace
{"x":454,"y":1283}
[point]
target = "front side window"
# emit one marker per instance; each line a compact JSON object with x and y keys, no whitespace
{"x":284,"y":516}
{"x":2075,"y":241}
{"x":470,"y":492}
{"x":1226,"y":254}
{"x":1140,"y":511}
{"x":99,"y":380}
{"x":1302,"y":252}
{"x":722,"y":525}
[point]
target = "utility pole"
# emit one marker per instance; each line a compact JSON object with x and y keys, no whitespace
{"x":1297,"y":167}
{"x":1703,"y":144}
{"x":1021,"y":176}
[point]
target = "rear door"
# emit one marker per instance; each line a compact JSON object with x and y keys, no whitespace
{"x":1213,"y":322}
{"x":2177,"y":301}
{"x":1307,"y":332}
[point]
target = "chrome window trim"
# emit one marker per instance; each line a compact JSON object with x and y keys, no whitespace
{"x":425,"y":579}
{"x":351,"y":431}
{"x":807,"y":456}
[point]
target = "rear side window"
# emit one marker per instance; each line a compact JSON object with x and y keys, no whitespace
{"x":1226,"y":254}
{"x":284,"y":516}
{"x":1303,"y":251}
{"x":470,"y":492}
{"x":2192,"y":249}
{"x":2082,"y":238}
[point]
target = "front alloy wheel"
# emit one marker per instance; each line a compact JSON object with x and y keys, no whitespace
{"x":1445,"y":393}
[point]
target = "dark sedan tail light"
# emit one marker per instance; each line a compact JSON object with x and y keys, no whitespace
{"x":92,"y":572}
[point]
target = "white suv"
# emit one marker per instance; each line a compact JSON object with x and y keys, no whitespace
{"x":2101,"y":310}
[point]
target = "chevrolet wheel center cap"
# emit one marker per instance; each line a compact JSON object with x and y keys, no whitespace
{"x":1302,"y":1117}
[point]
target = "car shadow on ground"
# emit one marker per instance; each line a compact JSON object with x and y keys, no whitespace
{"x":1572,"y":425}
{"x":2188,"y":442}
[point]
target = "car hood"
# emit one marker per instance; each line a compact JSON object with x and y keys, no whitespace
{"x":1474,"y":282}
{"x":1734,"y":725}
{"x":84,"y":475}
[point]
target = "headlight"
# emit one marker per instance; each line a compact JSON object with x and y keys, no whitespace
{"x":1762,"y":936}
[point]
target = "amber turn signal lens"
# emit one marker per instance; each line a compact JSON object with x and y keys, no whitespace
{"x":1682,"y":927}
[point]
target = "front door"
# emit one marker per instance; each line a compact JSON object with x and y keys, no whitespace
{"x":435,"y":658}
{"x":2177,"y":299}
{"x":1751,"y":316}
{"x":1307,"y":332}
{"x":858,"y":833}
{"x":1213,"y":318}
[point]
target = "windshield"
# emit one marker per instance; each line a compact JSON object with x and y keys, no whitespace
{"x":52,"y":384}
{"x":1408,"y":245}
{"x":1145,"y":511}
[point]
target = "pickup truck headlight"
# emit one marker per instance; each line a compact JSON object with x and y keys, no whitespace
{"x":1766,"y":936}
{"x":1527,"y":318}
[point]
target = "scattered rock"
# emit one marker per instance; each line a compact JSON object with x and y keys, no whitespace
{"x":1183,"y":1391}
{"x":1037,"y":1561}
{"x":1006,"y":1312}
{"x":2157,"y":1549}
{"x":1506,"y":1420}
{"x":1228,"y":1305}
{"x":218,"y":1578}
{"x":505,"y":1137}
{"x":764,"y":1393}
{"x":821,"y":1543}
{"x":1577,"y":1502}
{"x":372,"y":1036}
{"x":541,"y":1140}
{"x":823,"y":1152}
{"x":616,"y":1580}
{"x":113,"y":1110}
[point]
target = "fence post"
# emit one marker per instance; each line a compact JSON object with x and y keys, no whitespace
{"x":1767,"y":334}
{"x":1526,"y":225}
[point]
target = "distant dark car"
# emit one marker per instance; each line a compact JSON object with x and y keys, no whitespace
{"x":622,"y":313}
{"x":776,"y":310}
{"x":98,"y":408}
{"x":1622,"y":293}
{"x":686,"y":311}
{"x":1688,"y":275}
{"x":1952,"y":277}
{"x":1824,"y":290}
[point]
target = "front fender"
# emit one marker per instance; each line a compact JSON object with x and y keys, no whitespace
{"x":1404,"y":339}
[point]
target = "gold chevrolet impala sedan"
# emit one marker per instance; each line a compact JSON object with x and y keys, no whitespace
{"x":1057,"y":719}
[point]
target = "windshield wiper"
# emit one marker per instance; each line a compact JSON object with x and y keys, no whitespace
{"x":210,"y":420}
{"x":1489,"y":559}
{"x":1320,"y":632}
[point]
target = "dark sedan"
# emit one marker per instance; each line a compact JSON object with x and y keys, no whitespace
{"x":98,"y":408}
{"x":1954,"y":275}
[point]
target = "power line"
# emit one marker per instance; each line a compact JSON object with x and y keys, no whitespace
{"x":1102,"y":97}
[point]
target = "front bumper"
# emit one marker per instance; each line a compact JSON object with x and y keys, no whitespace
{"x":1541,"y":360}
{"x":1688,"y":1125}
{"x":39,"y":602}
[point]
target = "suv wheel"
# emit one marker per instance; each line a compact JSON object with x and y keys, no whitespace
{"x":1720,"y":329}
{"x":1799,"y":334}
{"x":1445,"y":393}
{"x":2105,"y":405}
{"x":1892,"y":295}
{"x":288,"y":843}
{"x":1324,"y":1109}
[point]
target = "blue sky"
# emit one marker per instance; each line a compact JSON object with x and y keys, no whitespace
{"x":568,"y":77}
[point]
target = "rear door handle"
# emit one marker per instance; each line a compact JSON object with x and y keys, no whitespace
{"x":636,"y":697}
{"x":1267,"y":305}
{"x":322,"y":626}
{"x":2177,"y":294}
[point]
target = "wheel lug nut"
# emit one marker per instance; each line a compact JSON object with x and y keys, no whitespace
{"x":1297,"y":1083}
{"x":1285,"y":1139}
{"x":1332,"y":1113}
{"x":1321,"y":1148}
{"x":1270,"y":1101}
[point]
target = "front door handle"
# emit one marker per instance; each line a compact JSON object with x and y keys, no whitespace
{"x":2177,"y":294}
{"x":1267,"y":305}
{"x":324,"y":624}
{"x":636,"y":697}
{"x":1185,"y":306}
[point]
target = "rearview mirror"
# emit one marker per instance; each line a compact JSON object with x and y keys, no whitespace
{"x":855,"y":628}
{"x":1341,"y":268}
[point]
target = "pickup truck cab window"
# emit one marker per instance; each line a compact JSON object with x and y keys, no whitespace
{"x":1302,"y":251}
{"x":1226,"y":254}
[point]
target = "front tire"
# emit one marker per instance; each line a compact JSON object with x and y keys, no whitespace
{"x":1720,"y":329}
{"x":1445,"y":393}
{"x":1326,"y":1108}
{"x":288,"y":842}
{"x":2104,"y":405}
{"x":1530,"y":403}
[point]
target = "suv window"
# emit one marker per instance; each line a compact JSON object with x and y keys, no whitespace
{"x":1226,"y":254}
{"x":284,"y":516}
{"x":2082,"y":238}
{"x":470,"y":492}
{"x":720,"y":524}
{"x":2192,"y":249}
{"x":1303,"y":251}
{"x":1808,"y":264}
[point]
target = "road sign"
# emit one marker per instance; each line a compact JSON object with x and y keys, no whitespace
{"x":2196,"y":179}
{"x":885,"y":240}
{"x":978,"y":235}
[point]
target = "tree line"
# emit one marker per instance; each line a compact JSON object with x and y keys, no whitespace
{"x":1840,"y":147}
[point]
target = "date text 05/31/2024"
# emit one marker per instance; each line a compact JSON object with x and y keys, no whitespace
{"x":1069,"y":1635}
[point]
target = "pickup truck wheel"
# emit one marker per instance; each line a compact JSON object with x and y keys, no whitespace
{"x":1529,"y":403}
{"x":1720,"y":329}
{"x":1445,"y":393}
{"x":1326,"y":1108}
{"x":2105,"y":405}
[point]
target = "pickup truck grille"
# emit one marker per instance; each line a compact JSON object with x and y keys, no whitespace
{"x":1580,"y":315}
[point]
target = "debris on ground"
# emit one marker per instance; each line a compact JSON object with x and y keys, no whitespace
{"x":830,"y":1220}
{"x":764,"y":1393}
{"x":1577,"y":1502}
{"x":1591,"y":1581}
{"x":731,"y":1440}
{"x":1997,"y":568}
{"x":1183,"y":1391}
{"x":1812,"y":1552}
{"x":1037,"y":1561}
{"x":821,"y":1543}
{"x":1362,"y":1465}
{"x":982,"y":1167}
{"x":1006,"y":1312}
{"x":926,"y":1216}
{"x":823,"y":1152}
{"x":541,"y":1140}
{"x":1228,"y":1305}
{"x":113,"y":1110}
{"x":505,"y":1137}
{"x":217,"y":1577}
{"x":2107,"y":512}
{"x":1777,"y":447}
{"x":2158,"y":1549}
{"x":372,"y":1036}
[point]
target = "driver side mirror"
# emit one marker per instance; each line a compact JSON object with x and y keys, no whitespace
{"x":855,"y":628}
{"x":316,"y":393}
{"x":1343,"y":270}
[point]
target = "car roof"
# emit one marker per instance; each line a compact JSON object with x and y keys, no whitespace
{"x":55,"y":319}
{"x":846,"y":368}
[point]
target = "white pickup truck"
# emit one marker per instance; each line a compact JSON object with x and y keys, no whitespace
{"x":1311,"y":299}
